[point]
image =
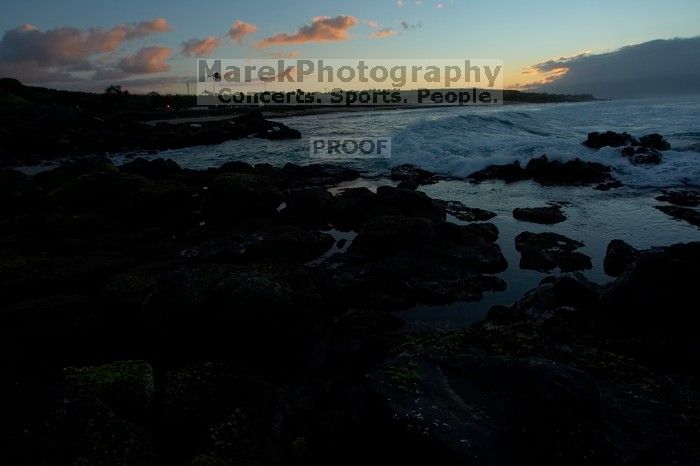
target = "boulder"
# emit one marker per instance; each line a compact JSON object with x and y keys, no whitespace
{"x":618,"y":257}
{"x":654,"y":141}
{"x":543,"y":215}
{"x":126,"y":386}
{"x":408,"y":172}
{"x":546,"y":251}
{"x":237,"y":195}
{"x":686,"y":214}
{"x":642,"y":155}
{"x":683,"y":198}
{"x":155,"y":169}
{"x":598,"y":140}
{"x":551,"y":173}
{"x":466,"y":214}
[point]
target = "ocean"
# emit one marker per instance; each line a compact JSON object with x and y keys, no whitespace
{"x":459,"y":141}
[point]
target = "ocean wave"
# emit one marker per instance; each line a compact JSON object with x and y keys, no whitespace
{"x":459,"y":145}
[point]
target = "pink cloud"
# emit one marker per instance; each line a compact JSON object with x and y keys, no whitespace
{"x":385,"y":32}
{"x":240,"y":29}
{"x":292,"y":54}
{"x":147,"y":60}
{"x":200,"y":48}
{"x":321,"y":29}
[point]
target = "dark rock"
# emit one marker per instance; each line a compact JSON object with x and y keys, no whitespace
{"x":509,"y":173}
{"x":236,"y":167}
{"x":349,"y":208}
{"x":543,"y":215}
{"x":386,"y":235}
{"x":154,"y":169}
{"x":12,"y":183}
{"x":551,"y":173}
{"x":408,"y":185}
{"x":295,"y":176}
{"x":396,"y":262}
{"x":464,"y":213}
{"x":660,"y":278}
{"x":309,"y":202}
{"x":97,"y":190}
{"x":161,"y":202}
{"x":484,"y":409}
{"x":642,"y":155}
{"x":70,"y":170}
{"x":681,"y":213}
{"x":393,"y":201}
{"x":680,"y":198}
{"x":233,"y":196}
{"x":126,"y":386}
{"x":618,"y":257}
{"x":89,"y":432}
{"x":654,"y":141}
{"x":408,"y":172}
{"x":546,"y":251}
{"x":597,"y":140}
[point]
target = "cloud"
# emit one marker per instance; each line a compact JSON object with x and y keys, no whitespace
{"x":321,"y":29}
{"x":240,"y":29}
{"x":147,"y":60}
{"x":384,"y":32}
{"x":292,"y":54}
{"x":400,"y":3}
{"x":659,"y":67}
{"x":200,"y":48}
{"x":33,"y":55}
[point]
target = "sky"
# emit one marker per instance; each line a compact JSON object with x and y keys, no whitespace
{"x":152,"y":45}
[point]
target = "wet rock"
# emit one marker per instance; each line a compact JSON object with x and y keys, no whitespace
{"x":479,"y":409}
{"x":97,"y":190}
{"x":408,"y":185}
{"x":236,"y":167}
{"x":349,"y":208}
{"x":618,"y":257}
{"x":386,"y":235}
{"x":89,"y":432}
{"x":12,"y":183}
{"x":393,"y":201}
{"x":396,"y":262}
{"x":126,"y":386}
{"x":408,"y":172}
{"x":161,"y":202}
{"x":467,"y":214}
{"x":542,"y":215}
{"x":546,"y":251}
{"x":598,"y":140}
{"x":686,"y":214}
{"x":233,"y":196}
{"x":681,"y":198}
{"x":642,"y":155}
{"x":72,"y":169}
{"x":154,"y":169}
{"x":654,"y":141}
{"x":319,"y":174}
{"x":308,"y":202}
{"x":551,"y":173}
{"x":660,"y":278}
{"x":203,"y":395}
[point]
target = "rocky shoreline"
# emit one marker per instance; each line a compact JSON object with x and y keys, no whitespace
{"x":156,"y":315}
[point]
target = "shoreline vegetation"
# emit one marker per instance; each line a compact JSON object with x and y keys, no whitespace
{"x":154,"y":315}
